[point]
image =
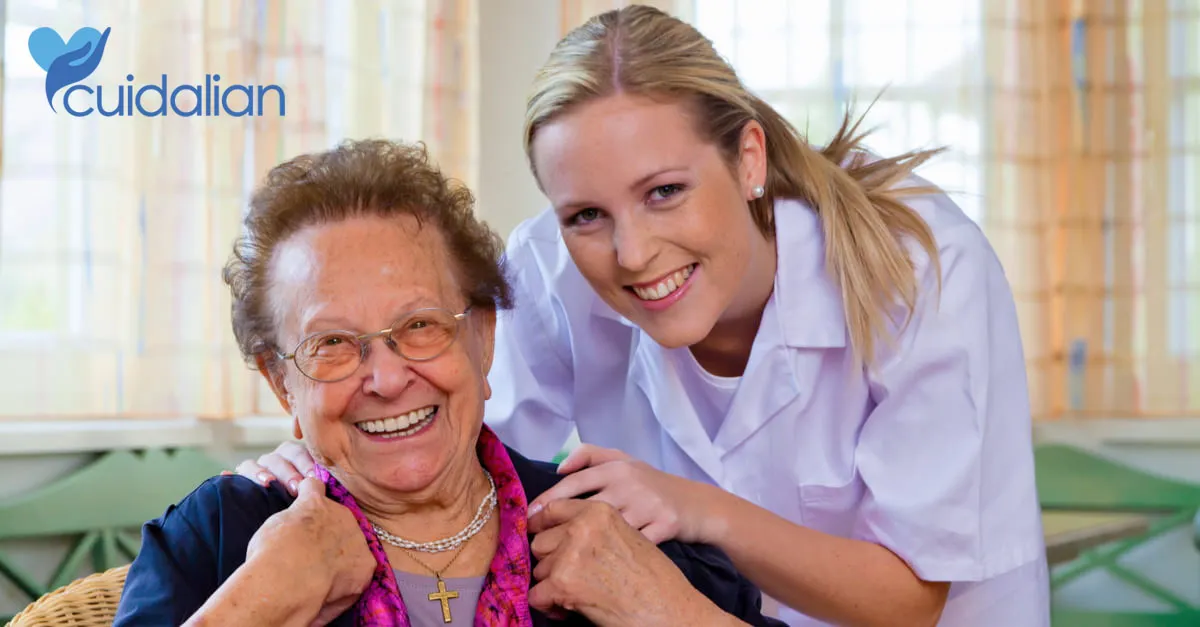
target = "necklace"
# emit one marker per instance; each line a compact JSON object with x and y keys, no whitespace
{"x":442,"y":595}
{"x":482,"y":515}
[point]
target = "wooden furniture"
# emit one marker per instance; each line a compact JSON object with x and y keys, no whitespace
{"x":87,"y":602}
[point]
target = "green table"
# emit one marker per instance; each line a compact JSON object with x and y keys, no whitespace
{"x":1069,"y":533}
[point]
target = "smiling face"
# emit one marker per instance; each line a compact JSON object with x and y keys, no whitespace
{"x":394,"y":425}
{"x":653,"y":216}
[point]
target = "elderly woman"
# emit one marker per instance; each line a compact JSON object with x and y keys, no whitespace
{"x":365,"y":292}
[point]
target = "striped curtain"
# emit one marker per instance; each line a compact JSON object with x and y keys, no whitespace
{"x":1094,"y":199}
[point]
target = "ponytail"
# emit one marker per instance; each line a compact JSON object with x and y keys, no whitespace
{"x":863,"y":217}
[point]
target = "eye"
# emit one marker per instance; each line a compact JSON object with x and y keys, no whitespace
{"x":587,"y":216}
{"x":663,"y":192}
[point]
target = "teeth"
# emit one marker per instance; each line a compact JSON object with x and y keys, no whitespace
{"x":664,"y":287}
{"x":399,"y":425}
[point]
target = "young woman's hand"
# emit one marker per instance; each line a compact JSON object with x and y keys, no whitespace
{"x":662,"y":506}
{"x":289,"y":463}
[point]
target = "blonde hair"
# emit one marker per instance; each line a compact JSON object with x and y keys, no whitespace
{"x":641,"y":50}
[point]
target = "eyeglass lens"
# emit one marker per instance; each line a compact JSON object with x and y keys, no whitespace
{"x":419,"y":336}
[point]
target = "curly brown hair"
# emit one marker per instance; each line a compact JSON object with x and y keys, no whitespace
{"x":366,"y":177}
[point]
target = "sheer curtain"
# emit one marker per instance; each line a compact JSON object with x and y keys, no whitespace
{"x":1097,"y":139}
{"x":113,"y":230}
{"x":1073,"y":130}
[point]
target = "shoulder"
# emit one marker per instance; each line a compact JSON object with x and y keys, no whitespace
{"x":536,"y":476}
{"x":541,"y":269}
{"x":189,"y":551}
{"x":218,"y":518}
{"x":232,"y":499}
{"x":535,"y":244}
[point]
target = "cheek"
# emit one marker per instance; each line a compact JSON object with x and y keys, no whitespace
{"x":593,"y":255}
{"x":315,"y":402}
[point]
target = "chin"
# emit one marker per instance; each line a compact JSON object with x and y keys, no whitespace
{"x":409,"y":473}
{"x":673,"y":336}
{"x":405,"y":478}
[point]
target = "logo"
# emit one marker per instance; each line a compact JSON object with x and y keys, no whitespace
{"x":68,"y":63}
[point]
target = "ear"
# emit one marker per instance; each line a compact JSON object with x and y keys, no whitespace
{"x":752,"y":158}
{"x":273,"y":373}
{"x":484,"y":326}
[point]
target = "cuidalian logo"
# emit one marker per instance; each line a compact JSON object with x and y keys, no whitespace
{"x":66,"y":63}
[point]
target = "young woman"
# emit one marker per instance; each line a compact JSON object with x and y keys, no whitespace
{"x":807,"y":357}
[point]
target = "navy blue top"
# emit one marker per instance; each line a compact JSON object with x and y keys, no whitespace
{"x":196,"y":545}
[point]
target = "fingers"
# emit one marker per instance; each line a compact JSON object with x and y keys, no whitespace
{"x":254,"y":472}
{"x":282,"y":463}
{"x":297,"y":457}
{"x":310,"y":488}
{"x":657,"y":532}
{"x":543,"y":598}
{"x":545,"y":543}
{"x":589,"y":455}
{"x":556,"y":513}
{"x":571,"y":486}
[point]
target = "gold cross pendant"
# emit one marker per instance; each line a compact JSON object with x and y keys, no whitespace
{"x":444,"y":596}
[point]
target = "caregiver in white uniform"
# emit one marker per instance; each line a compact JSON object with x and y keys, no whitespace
{"x":813,"y":355}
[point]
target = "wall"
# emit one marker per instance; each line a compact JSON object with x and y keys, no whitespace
{"x":515,"y":37}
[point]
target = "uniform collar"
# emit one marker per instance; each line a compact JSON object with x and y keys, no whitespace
{"x":809,"y":301}
{"x":811,"y":314}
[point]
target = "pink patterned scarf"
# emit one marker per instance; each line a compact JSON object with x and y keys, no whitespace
{"x":505,"y":597}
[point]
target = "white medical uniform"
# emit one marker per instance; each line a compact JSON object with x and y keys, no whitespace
{"x":929,"y":456}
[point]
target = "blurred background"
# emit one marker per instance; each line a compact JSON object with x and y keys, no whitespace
{"x":1074,"y":136}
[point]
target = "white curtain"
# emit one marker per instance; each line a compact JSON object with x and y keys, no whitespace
{"x":113,"y":231}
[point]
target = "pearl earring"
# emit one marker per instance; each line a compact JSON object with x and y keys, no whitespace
{"x":758,"y":191}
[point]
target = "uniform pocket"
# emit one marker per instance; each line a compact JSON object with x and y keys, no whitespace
{"x":831,"y":509}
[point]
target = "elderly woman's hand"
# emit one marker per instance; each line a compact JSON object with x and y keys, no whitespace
{"x":316,"y":549}
{"x":591,"y":562}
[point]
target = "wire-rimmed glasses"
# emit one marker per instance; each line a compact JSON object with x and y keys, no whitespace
{"x":419,"y":335}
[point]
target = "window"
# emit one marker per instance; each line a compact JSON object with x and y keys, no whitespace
{"x":113,"y":231}
{"x":811,"y":59}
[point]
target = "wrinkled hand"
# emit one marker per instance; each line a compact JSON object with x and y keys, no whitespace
{"x":662,"y":506}
{"x":290,"y":462}
{"x":318,"y":541}
{"x":591,"y":562}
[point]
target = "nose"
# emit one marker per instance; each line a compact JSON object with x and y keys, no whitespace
{"x":634,"y":246}
{"x":388,"y":374}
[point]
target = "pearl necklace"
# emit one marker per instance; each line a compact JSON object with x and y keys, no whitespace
{"x":482,"y":516}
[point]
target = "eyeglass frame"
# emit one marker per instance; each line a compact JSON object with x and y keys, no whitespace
{"x":364,"y":342}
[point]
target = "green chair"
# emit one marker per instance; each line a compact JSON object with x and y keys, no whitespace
{"x":102,"y":507}
{"x":1072,"y":479}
